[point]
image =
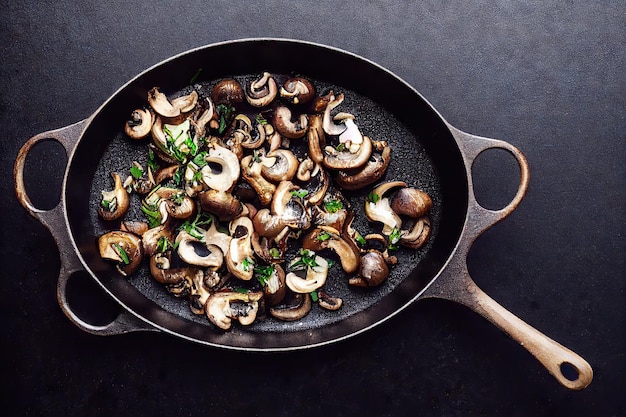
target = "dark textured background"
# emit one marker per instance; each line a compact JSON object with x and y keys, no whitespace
{"x":546,"y":76}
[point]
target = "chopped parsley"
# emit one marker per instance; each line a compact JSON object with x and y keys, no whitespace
{"x":224,"y":113}
{"x":163,"y":244}
{"x":274,"y":253}
{"x":359,"y":239}
{"x":314,"y":296}
{"x":136,"y":172}
{"x":299,"y":193}
{"x":152,"y":214}
{"x":305,"y":260}
{"x":260,"y":119}
{"x":333,"y":206}
{"x":152,"y":163}
{"x":341,"y":147}
{"x":193,"y":228}
{"x":394,"y":238}
{"x":120,"y":251}
{"x":109,"y":205}
{"x":373,"y":198}
{"x":200,"y":160}
{"x":247,"y":263}
{"x":323,"y":236}
{"x":264,"y":273}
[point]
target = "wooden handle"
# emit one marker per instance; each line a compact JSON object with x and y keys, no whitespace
{"x":570,"y":369}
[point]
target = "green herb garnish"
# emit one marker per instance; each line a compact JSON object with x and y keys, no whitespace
{"x":394,"y":238}
{"x":306,"y":259}
{"x":260,"y":119}
{"x":193,"y":148}
{"x":299,"y":193}
{"x":195,"y":76}
{"x":247,"y":263}
{"x":274,"y":253}
{"x":152,"y":163}
{"x":333,"y":206}
{"x":224,"y":113}
{"x":200,"y":160}
{"x":373,"y":198}
{"x":152,"y":214}
{"x":178,"y":176}
{"x":314,"y":296}
{"x":163,"y":244}
{"x":323,"y":236}
{"x":341,"y":147}
{"x":360,"y":239}
{"x":193,"y":228}
{"x":120,"y":251}
{"x":136,"y":172}
{"x":264,"y":273}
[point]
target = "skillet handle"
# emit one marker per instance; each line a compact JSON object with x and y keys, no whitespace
{"x":569,"y":369}
{"x":471,"y":147}
{"x":54,"y":220}
{"x":455,"y":283}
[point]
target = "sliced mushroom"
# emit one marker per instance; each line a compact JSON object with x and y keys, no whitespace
{"x":267,"y":225}
{"x":297,"y":90}
{"x":165,"y":173}
{"x":114,"y":203}
{"x":316,"y":139}
{"x":176,"y":202}
{"x":328,"y":302}
{"x":162,"y":271}
{"x":224,"y":307}
{"x":315,"y":277}
{"x":411,"y":202}
{"x":373,"y":170}
{"x":380,"y":210}
{"x":222,"y":169}
{"x":345,"y":159}
{"x":135,"y":227}
{"x":217,"y":238}
{"x":291,"y":210}
{"x":283,"y":123}
{"x":294,"y":307}
{"x":418,"y":235}
{"x":279,"y":165}
{"x":195,"y":252}
{"x":151,"y":238}
{"x":274,"y":288}
{"x":328,"y":125}
{"x":161,"y":105}
{"x":186,"y":103}
{"x":224,"y":205}
{"x":199,"y":292}
{"x":240,"y":256}
{"x":122,"y":247}
{"x":251,"y":172}
{"x":227,"y":91}
{"x":262,"y":91}
{"x":139,"y":124}
{"x":173,"y":139}
{"x":324,"y":237}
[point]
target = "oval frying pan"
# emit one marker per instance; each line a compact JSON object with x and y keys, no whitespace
{"x":428,"y":153}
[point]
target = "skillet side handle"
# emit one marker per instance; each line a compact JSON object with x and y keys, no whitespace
{"x":569,"y":369}
{"x":472,"y":146}
{"x":54,"y":220}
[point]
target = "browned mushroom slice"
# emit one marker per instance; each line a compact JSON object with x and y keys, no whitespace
{"x":198,"y":253}
{"x":272,"y":279}
{"x":373,"y":170}
{"x":316,"y":139}
{"x":377,"y":207}
{"x":139,"y":124}
{"x":417,"y":235}
{"x":293,"y":307}
{"x":297,"y":90}
{"x":161,"y":105}
{"x":224,"y":307}
{"x":345,"y":159}
{"x":262,"y":91}
{"x":135,"y":227}
{"x":123,"y":248}
{"x":114,"y":203}
{"x":284,"y":125}
{"x":314,"y":279}
{"x":324,"y":237}
{"x":224,"y":205}
{"x":279,"y":165}
{"x":251,"y":172}
{"x":329,"y":302}
{"x":240,"y":256}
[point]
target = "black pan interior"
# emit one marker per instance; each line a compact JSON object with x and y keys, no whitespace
{"x":425,"y":155}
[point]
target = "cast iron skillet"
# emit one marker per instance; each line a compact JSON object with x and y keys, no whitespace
{"x":428,"y":150}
